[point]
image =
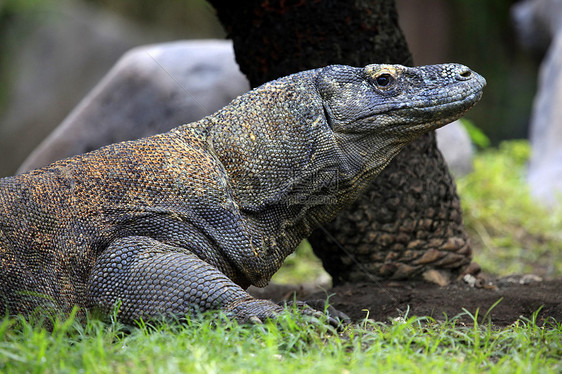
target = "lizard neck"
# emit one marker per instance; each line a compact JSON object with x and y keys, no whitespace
{"x":285,"y":170}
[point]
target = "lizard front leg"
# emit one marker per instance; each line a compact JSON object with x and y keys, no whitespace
{"x":151,"y":279}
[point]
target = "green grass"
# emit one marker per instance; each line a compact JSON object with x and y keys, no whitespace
{"x":302,"y":266}
{"x":213,"y":344}
{"x":510,"y":233}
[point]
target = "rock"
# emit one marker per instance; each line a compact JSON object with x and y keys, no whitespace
{"x":58,"y":52}
{"x":540,"y":20}
{"x":455,"y":145}
{"x":150,"y":90}
{"x":522,"y":279}
{"x":469,"y":279}
{"x":439,"y":277}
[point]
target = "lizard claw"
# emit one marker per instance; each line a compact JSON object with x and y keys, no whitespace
{"x":254,"y":311}
{"x":319,"y":309}
{"x":255,"y":320}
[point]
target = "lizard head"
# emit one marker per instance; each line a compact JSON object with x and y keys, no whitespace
{"x":396,"y":103}
{"x":373,"y":112}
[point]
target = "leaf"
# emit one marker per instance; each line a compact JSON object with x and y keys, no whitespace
{"x":476,"y":135}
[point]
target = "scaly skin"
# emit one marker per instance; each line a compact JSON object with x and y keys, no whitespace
{"x":185,"y":221}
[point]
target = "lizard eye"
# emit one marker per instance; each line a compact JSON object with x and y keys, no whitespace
{"x":384,"y":80}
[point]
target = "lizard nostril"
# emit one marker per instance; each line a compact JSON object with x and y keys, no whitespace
{"x":464,"y":74}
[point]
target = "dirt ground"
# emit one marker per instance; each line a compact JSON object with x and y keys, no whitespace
{"x":520,"y":296}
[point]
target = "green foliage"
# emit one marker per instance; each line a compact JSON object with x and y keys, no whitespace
{"x":510,"y":231}
{"x":475,"y":134}
{"x":214,"y":344}
{"x":184,"y":18}
{"x":302,"y":266}
{"x":14,"y":6}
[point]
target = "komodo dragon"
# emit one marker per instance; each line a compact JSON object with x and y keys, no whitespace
{"x":185,"y":221}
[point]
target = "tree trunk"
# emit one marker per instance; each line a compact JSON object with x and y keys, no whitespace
{"x":409,"y":221}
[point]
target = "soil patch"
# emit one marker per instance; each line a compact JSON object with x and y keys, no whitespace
{"x":520,"y":296}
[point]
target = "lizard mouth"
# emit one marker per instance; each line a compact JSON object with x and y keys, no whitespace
{"x":427,"y":117}
{"x":469,"y":98}
{"x":427,"y":111}
{"x":440,"y":114}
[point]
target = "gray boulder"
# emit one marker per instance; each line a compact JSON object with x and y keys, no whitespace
{"x":150,"y":90}
{"x":455,"y":145}
{"x":540,"y":21}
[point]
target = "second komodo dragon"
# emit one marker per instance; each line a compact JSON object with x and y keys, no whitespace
{"x":186,"y":220}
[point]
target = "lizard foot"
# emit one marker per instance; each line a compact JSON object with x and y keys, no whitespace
{"x":256,"y":311}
